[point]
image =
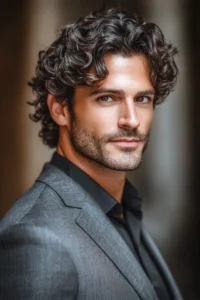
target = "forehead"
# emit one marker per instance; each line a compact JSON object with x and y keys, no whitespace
{"x":126,"y":63}
{"x":132,"y":70}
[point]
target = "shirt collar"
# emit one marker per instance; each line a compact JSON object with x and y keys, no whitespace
{"x":130,"y":199}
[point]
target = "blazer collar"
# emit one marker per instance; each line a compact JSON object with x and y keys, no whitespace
{"x":96,"y":224}
{"x":70,"y":192}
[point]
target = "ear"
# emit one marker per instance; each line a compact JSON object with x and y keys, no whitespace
{"x":59,"y":113}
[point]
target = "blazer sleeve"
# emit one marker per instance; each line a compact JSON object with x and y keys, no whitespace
{"x":34,"y":264}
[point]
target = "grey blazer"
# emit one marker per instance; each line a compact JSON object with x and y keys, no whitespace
{"x":56,"y":243}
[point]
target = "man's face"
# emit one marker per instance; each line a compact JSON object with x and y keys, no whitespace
{"x":112,"y":121}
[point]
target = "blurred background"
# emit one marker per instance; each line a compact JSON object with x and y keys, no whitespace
{"x":168,"y":176}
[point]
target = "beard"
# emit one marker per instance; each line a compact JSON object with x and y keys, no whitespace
{"x":94,"y":148}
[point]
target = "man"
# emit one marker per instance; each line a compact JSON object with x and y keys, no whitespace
{"x":78,"y":232}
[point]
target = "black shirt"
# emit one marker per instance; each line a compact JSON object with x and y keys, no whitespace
{"x":129,"y":227}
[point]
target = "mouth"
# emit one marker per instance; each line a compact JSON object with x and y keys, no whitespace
{"x":127,"y":142}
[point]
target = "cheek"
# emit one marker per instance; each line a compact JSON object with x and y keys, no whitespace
{"x":97,"y":118}
{"x":145,"y":118}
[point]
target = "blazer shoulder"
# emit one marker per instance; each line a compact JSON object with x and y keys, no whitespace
{"x":38,"y":198}
{"x":52,"y":191}
{"x":22,"y":206}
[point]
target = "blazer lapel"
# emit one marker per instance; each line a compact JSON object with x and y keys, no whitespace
{"x":155,"y":253}
{"x":94,"y":222}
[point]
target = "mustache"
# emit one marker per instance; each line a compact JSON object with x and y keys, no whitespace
{"x":128,"y":134}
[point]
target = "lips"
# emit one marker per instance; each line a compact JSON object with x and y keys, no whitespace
{"x":125,"y":142}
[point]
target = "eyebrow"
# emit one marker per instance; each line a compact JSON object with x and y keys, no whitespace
{"x":149,"y":92}
{"x":104,"y":90}
{"x":146,"y":93}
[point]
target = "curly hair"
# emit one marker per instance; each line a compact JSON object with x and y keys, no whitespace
{"x":79,"y":46}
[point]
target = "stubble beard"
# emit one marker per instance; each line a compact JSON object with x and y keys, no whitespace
{"x":86,"y":143}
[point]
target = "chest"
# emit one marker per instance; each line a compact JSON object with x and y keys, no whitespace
{"x":99,"y":277}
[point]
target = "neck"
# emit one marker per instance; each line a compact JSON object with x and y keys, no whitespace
{"x":112,"y":181}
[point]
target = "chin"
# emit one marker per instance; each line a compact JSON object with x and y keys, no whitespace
{"x":122,"y":164}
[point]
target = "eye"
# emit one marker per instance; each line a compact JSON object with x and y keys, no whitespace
{"x":105,"y":99}
{"x":144,"y":99}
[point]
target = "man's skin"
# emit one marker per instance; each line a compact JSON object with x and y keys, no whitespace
{"x":124,"y":112}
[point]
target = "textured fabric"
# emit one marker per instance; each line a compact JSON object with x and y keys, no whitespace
{"x":129,"y":226}
{"x":110,"y":206}
{"x":86,"y":182}
{"x":56,"y":243}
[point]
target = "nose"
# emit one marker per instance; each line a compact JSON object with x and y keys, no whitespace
{"x":128,"y":116}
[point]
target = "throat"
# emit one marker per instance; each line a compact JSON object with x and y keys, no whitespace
{"x":110,"y":180}
{"x":113,"y":187}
